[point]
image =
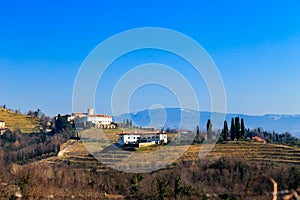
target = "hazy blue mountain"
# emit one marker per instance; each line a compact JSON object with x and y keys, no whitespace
{"x":173,"y":116}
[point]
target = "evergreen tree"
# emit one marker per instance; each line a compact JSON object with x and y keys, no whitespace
{"x":243,"y":130}
{"x":232,"y":129}
{"x":209,"y":129}
{"x":177,"y":187}
{"x":180,"y":188}
{"x":162,"y":187}
{"x":197,"y":137}
{"x":225,"y":131}
{"x":237,"y":128}
{"x":135,"y":183}
{"x":61,"y":122}
{"x":130,"y":123}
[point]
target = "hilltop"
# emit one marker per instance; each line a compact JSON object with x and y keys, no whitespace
{"x":14,"y":120}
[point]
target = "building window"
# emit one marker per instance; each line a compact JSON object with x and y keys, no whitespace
{"x":128,"y":137}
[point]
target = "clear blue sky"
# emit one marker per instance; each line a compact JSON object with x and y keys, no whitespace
{"x":255,"y":44}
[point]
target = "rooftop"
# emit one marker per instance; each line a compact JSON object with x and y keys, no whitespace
{"x":142,"y":133}
{"x":101,"y":115}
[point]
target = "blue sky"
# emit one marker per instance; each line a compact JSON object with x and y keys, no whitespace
{"x":255,"y":45}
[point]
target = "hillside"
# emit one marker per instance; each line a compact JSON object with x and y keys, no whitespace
{"x":25,"y":123}
{"x":224,"y":174}
{"x":253,"y":152}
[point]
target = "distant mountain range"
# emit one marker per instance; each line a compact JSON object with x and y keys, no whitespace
{"x":188,"y":118}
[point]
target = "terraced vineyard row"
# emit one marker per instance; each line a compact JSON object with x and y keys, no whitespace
{"x":25,"y":123}
{"x":251,"y":151}
{"x":115,"y":157}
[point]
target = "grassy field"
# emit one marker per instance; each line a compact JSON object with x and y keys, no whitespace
{"x":25,"y":123}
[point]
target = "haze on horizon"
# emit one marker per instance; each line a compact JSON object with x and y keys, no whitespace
{"x":255,"y":46}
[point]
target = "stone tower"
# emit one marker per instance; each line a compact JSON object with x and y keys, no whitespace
{"x":91,"y":111}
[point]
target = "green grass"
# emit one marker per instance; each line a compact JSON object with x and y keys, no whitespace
{"x":146,"y":148}
{"x":13,"y":121}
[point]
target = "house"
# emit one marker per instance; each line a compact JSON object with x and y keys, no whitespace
{"x":2,"y":127}
{"x":258,"y":139}
{"x":142,"y":138}
{"x":99,"y":121}
{"x":2,"y":124}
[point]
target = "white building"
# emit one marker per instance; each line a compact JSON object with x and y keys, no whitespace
{"x":2,"y":124}
{"x":139,"y":138}
{"x":100,"y":121}
{"x":2,"y":127}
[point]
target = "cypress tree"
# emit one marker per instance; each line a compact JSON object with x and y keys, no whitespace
{"x":237,"y":128}
{"x":232,"y":129}
{"x":197,"y":138}
{"x":225,"y":131}
{"x":209,"y":129}
{"x":243,"y":130}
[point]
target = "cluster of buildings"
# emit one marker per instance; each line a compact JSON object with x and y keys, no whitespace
{"x":98,"y":120}
{"x":145,"y":138}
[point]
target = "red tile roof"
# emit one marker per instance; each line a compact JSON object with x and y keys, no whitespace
{"x":259,"y":139}
{"x":141,"y":133}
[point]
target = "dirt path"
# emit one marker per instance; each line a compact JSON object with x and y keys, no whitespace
{"x":64,"y":150}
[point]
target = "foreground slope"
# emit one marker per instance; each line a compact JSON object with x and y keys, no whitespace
{"x":225,"y":173}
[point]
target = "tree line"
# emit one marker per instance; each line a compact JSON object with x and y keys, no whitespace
{"x":238,"y":131}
